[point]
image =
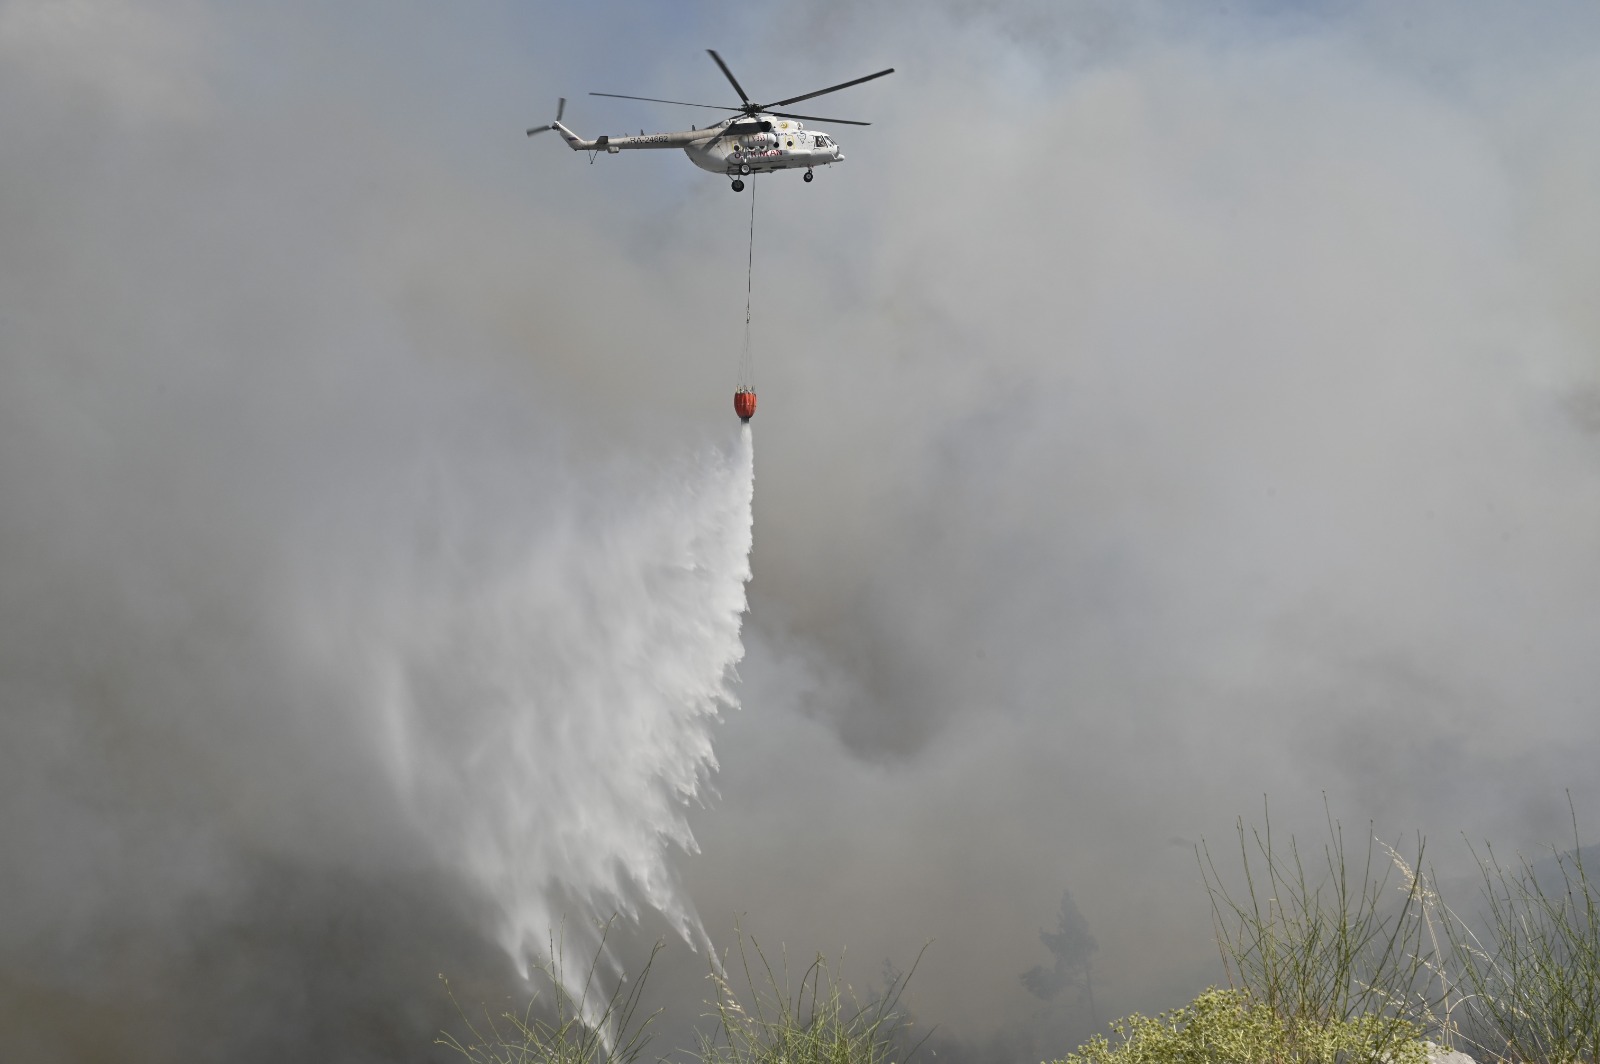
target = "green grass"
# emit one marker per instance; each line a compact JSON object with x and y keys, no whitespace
{"x":770,"y":1019}
{"x":1533,"y":976}
{"x":582,"y":1027}
{"x":1330,"y":940}
{"x":1323,"y":940}
{"x":817,"y":1020}
{"x":1335,"y":955}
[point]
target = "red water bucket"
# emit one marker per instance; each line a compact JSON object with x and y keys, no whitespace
{"x":744,"y":404}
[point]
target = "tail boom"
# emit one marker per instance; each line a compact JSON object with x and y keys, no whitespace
{"x":613,"y":145}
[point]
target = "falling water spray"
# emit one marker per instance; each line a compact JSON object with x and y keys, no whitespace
{"x":548,"y":713}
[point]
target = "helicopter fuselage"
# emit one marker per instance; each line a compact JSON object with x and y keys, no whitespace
{"x":763,"y":145}
{"x":745,"y":144}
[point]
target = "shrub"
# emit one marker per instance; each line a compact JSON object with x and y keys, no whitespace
{"x":1325,"y":946}
{"x":572,"y":1027}
{"x":1227,"y":1027}
{"x":818,"y":1021}
{"x":1536,"y":983}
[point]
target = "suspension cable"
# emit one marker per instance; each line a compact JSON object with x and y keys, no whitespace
{"x":746,"y":368}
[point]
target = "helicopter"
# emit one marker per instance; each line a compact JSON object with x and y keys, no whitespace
{"x":755,"y":139}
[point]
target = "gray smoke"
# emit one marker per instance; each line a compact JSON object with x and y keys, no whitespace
{"x":1160,"y":409}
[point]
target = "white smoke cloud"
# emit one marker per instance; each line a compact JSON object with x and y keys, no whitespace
{"x":1159,"y":409}
{"x":319,"y":610}
{"x":149,"y":62}
{"x":1208,"y":432}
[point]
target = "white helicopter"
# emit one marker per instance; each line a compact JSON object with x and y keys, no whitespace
{"x":755,"y":140}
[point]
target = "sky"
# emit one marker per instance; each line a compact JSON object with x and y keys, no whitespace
{"x":1168,"y":412}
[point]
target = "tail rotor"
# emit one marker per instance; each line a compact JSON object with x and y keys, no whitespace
{"x":561,"y":109}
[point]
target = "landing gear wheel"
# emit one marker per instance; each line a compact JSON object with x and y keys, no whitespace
{"x":738,"y":186}
{"x":809,"y":176}
{"x":744,"y":168}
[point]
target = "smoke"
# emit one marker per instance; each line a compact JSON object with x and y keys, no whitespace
{"x":1161,"y":408}
{"x":1209,"y":432}
{"x":337,"y":653}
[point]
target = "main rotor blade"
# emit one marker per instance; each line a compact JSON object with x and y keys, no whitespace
{"x":652,"y":99}
{"x":816,"y":118}
{"x":729,"y":75}
{"x":821,"y":92}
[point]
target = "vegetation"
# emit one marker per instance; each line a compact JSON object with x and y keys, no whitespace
{"x":1517,"y":981}
{"x":1327,"y":947}
{"x":1330,"y":960}
{"x":1348,"y":957}
{"x":568,"y":1029}
{"x":1534,"y":975}
{"x":1073,"y":948}
{"x":1228,"y":1027}
{"x":817,"y":1021}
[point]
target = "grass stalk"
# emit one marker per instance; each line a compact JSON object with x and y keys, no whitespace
{"x":817,"y":1020}
{"x":570,"y":1027}
{"x":1324,"y":942}
{"x":1536,"y":983}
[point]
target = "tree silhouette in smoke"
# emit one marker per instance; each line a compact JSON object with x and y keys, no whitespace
{"x":1073,"y":947}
